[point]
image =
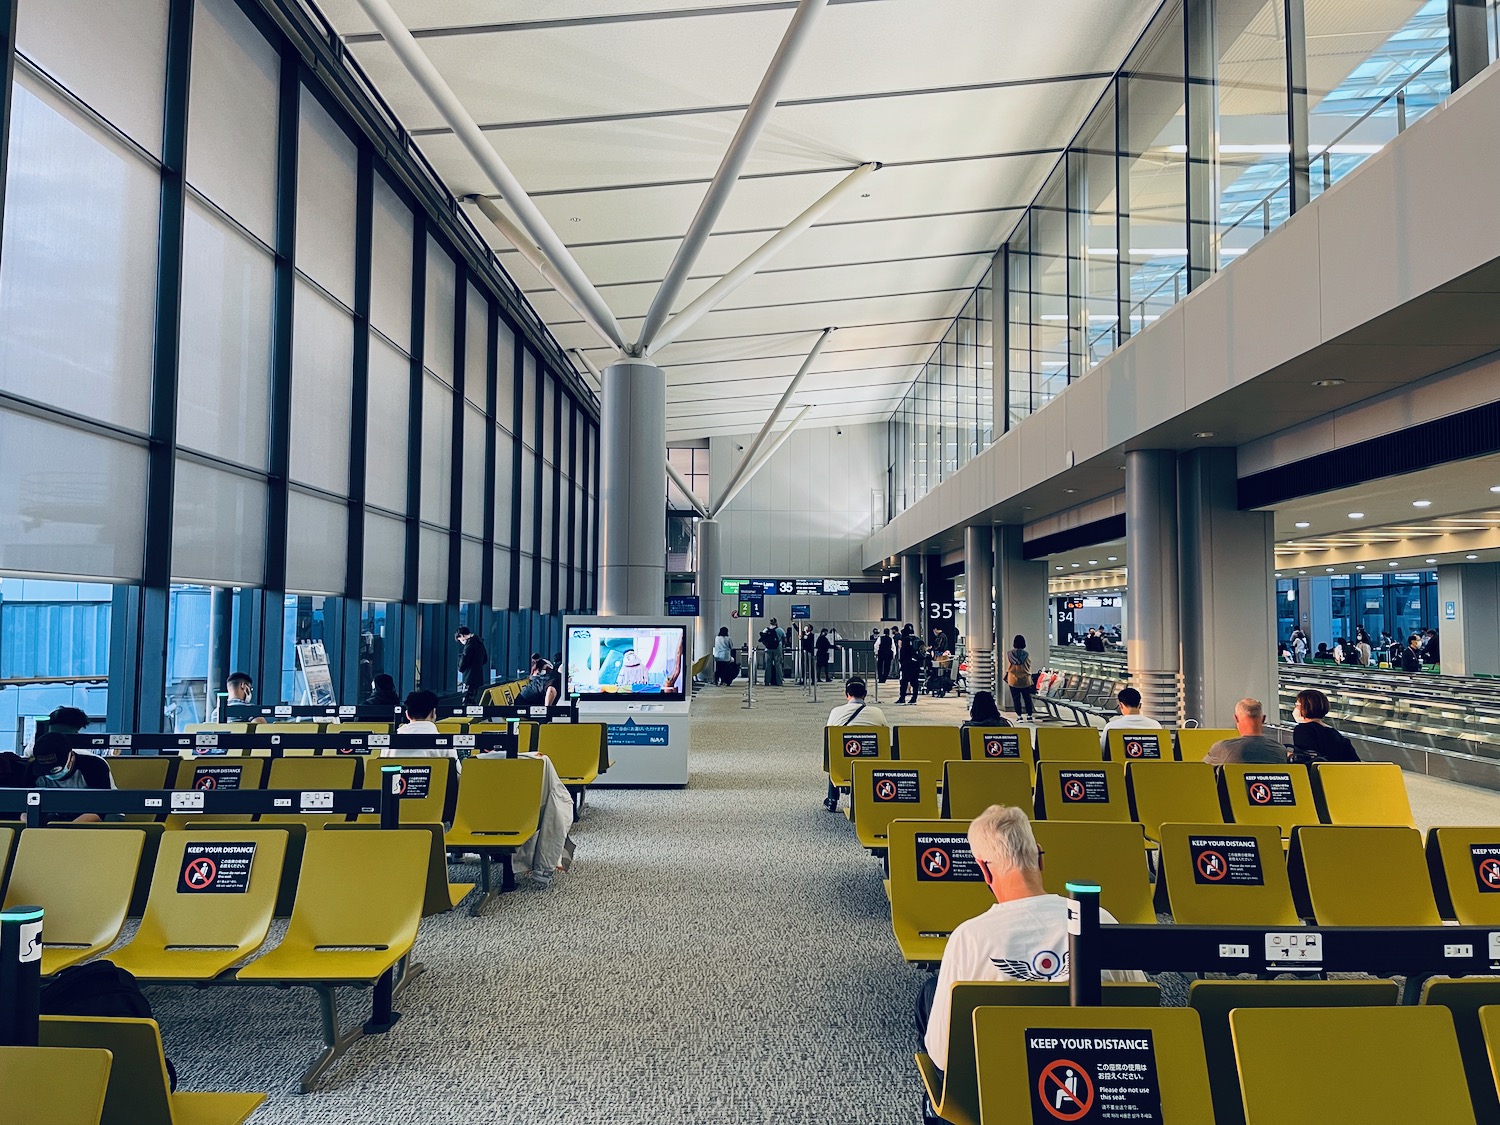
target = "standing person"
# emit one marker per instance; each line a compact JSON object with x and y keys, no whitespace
{"x":473,"y":664}
{"x":911,"y":667}
{"x":1018,"y":678}
{"x":824,"y":648}
{"x":1411,"y":655}
{"x":853,"y":712}
{"x":726,"y":666}
{"x":770,"y":640}
{"x":809,"y":652}
{"x":885,"y":652}
{"x":1313,"y":740}
{"x":1299,"y":646}
{"x":1362,"y":645}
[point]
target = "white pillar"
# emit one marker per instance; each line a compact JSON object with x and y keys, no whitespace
{"x":979,"y":616}
{"x":1020,"y":596}
{"x":1152,"y":635}
{"x":1469,"y":642}
{"x":632,"y":489}
{"x":710,"y":575}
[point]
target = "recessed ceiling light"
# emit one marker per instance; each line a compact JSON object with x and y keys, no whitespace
{"x":1356,"y":515}
{"x":1303,"y":523}
{"x":1114,"y":558}
{"x":1393,"y":564}
{"x":1421,"y":503}
{"x":1205,"y":434}
{"x":1429,"y":560}
{"x":1495,"y":488}
{"x":1361,"y":566}
{"x":575,"y":219}
{"x":1471,"y":556}
{"x":1328,"y":382}
{"x":1077,"y":564}
{"x":1278,"y":575}
{"x":1302,"y":572}
{"x":1093,"y":562}
{"x":1070,"y":491}
{"x":1059,"y":568}
{"x":1329,"y":569}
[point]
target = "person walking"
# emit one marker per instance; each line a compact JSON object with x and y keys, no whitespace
{"x":911,"y":665}
{"x":726,"y":666}
{"x":885,"y":653}
{"x":1018,"y":678}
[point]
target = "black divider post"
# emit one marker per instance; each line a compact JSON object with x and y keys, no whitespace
{"x":20,"y":975}
{"x":390,"y":800}
{"x":1085,"y":989}
{"x":33,"y":809}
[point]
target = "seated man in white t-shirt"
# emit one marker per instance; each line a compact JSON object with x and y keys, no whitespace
{"x":1129,"y":718}
{"x":421,"y":718}
{"x":1024,"y":936}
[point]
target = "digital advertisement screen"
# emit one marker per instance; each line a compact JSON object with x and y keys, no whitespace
{"x":608,"y":661}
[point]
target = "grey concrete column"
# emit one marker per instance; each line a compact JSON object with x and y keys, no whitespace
{"x":1469,"y":644}
{"x":1227,"y":569}
{"x":1152,"y":635}
{"x":632,"y":489}
{"x":911,"y":591}
{"x":1020,"y":596}
{"x":979,"y":614}
{"x":710,"y":575}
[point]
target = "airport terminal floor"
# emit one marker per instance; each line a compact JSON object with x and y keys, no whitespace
{"x":718,"y":953}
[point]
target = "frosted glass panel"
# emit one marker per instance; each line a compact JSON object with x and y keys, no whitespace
{"x":476,"y":429}
{"x":500,"y":592}
{"x":565,"y":445}
{"x":549,"y":418}
{"x":224,"y":388}
{"x":527,"y":421}
{"x":544,"y":594}
{"x":471,"y":570}
{"x":78,"y":277}
{"x":111,"y":53}
{"x":322,"y":379}
{"x":437,"y":451}
{"x":390,"y":278}
{"x":231,"y":153}
{"x":385,"y":558}
{"x":504,"y":485}
{"x":437,"y":351}
{"x":505,"y":376}
{"x":218,"y":526}
{"x":74,"y":503}
{"x":548,"y":492}
{"x":526,"y":498}
{"x":327,"y":166}
{"x":390,"y":410}
{"x":524,"y":599}
{"x":476,"y":348}
{"x":432,"y":585}
{"x":317,"y":542}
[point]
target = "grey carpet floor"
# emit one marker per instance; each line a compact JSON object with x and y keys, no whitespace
{"x":720,"y":953}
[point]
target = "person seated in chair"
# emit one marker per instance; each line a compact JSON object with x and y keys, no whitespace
{"x":383,"y":692}
{"x":853,"y":712}
{"x":1253,"y":745}
{"x":56,"y":765}
{"x":1129,"y":718}
{"x":421,"y":718}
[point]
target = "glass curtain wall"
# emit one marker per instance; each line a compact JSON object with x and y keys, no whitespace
{"x":1198,"y":148}
{"x":242,"y":350}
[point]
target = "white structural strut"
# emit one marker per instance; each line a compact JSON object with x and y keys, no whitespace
{"x":730,"y":167}
{"x":589,"y":365}
{"x":749,"y":458}
{"x":420,"y":67}
{"x":764,"y":457}
{"x":533,"y":254}
{"x":687,"y":490}
{"x":746,"y":269}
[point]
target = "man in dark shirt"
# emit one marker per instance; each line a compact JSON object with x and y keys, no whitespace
{"x":1253,"y":745}
{"x":473,"y":665}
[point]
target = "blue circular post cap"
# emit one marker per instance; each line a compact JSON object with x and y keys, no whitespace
{"x":22,"y":914}
{"x":1083,"y":888}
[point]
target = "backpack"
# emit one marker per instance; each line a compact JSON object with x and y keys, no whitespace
{"x":769,"y":638}
{"x":99,"y":988}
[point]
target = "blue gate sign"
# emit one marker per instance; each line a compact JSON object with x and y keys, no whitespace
{"x":802,"y":613}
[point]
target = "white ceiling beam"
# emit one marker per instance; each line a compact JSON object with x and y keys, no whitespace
{"x":537,"y":229}
{"x":682,"y":485}
{"x":589,"y":365}
{"x":764,"y":457}
{"x":733,"y":163}
{"x":746,"y":269}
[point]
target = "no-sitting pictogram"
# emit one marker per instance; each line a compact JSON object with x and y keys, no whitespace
{"x":1489,"y":871}
{"x":885,"y":790}
{"x":936,"y":862}
{"x":207,"y":781}
{"x":1073,"y":791}
{"x":1260,"y":793}
{"x":1212,"y":866}
{"x":1066,"y":1090}
{"x":200,"y":873}
{"x":398,"y":784}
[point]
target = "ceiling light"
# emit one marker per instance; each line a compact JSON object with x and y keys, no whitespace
{"x":1361,"y":566}
{"x":575,"y":219}
{"x":1077,"y":565}
{"x":1328,"y":382}
{"x":1278,"y":575}
{"x":1329,"y":569}
{"x":1495,"y":488}
{"x":1303,"y":523}
{"x":1393,"y":564}
{"x":1356,"y":515}
{"x":1302,"y":572}
{"x":1059,"y":568}
{"x":1471,"y":556}
{"x":1205,"y":434}
{"x":1429,"y":560}
{"x":1114,"y":558}
{"x":1069,"y":491}
{"x":1093,"y":562}
{"x":1421,"y":503}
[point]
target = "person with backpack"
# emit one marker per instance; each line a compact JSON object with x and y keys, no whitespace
{"x":824,"y":648}
{"x":770,"y":640}
{"x":911,"y":669}
{"x":1018,"y":678}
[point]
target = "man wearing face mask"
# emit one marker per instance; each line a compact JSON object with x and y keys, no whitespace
{"x":55,"y":765}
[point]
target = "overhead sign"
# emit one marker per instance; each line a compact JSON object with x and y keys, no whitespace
{"x":804,"y":587}
{"x":1088,"y":1075}
{"x":1226,"y":861}
{"x":729,"y":586}
{"x":682,"y":605}
{"x":801,"y":613}
{"x":836,"y":586}
{"x":217,"y":869}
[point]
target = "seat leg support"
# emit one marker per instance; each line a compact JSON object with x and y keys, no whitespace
{"x":407,"y":971}
{"x":486,"y":887}
{"x":335,"y":1043}
{"x":383,"y":1015}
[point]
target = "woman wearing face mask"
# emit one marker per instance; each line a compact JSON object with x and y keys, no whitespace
{"x":1313,"y":740}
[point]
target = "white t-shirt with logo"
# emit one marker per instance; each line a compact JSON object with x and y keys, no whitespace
{"x":1024,"y":939}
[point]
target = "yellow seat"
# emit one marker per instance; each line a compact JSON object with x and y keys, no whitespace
{"x":1466,"y":1000}
{"x":1464,"y":864}
{"x":954,"y":1092}
{"x":1279,"y":795}
{"x":217,"y":774}
{"x":1213,"y":1000}
{"x":1143,"y":745}
{"x":426,"y":783}
{"x":453,"y":726}
{"x":294,"y":832}
{"x":361,"y":728}
{"x":971,"y":787}
{"x":1375,"y":1066}
{"x":83,"y":880}
{"x":1002,"y":743}
{"x":576,"y":749}
{"x":1194,"y":742}
{"x":498,"y":810}
{"x":197,"y":924}
{"x":925,"y":908}
{"x":134,"y":772}
{"x":926,"y":743}
{"x":1173,"y":792}
{"x":1226,"y":875}
{"x":57,"y":1086}
{"x":1363,"y":876}
{"x":7,"y":845}
{"x":440,"y":895}
{"x":138,"y":1091}
{"x":1007,"y":1084}
{"x":1068,"y":744}
{"x":880,"y":792}
{"x":152,"y":832}
{"x":271,"y":729}
{"x":842,"y":745}
{"x":310,"y":773}
{"x":1113,"y":856}
{"x":1092,"y":791}
{"x":1364,"y":793}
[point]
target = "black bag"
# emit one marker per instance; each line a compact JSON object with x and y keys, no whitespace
{"x":99,"y":988}
{"x":769,"y":639}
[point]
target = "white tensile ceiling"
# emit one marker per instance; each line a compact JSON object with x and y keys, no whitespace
{"x":614,"y":115}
